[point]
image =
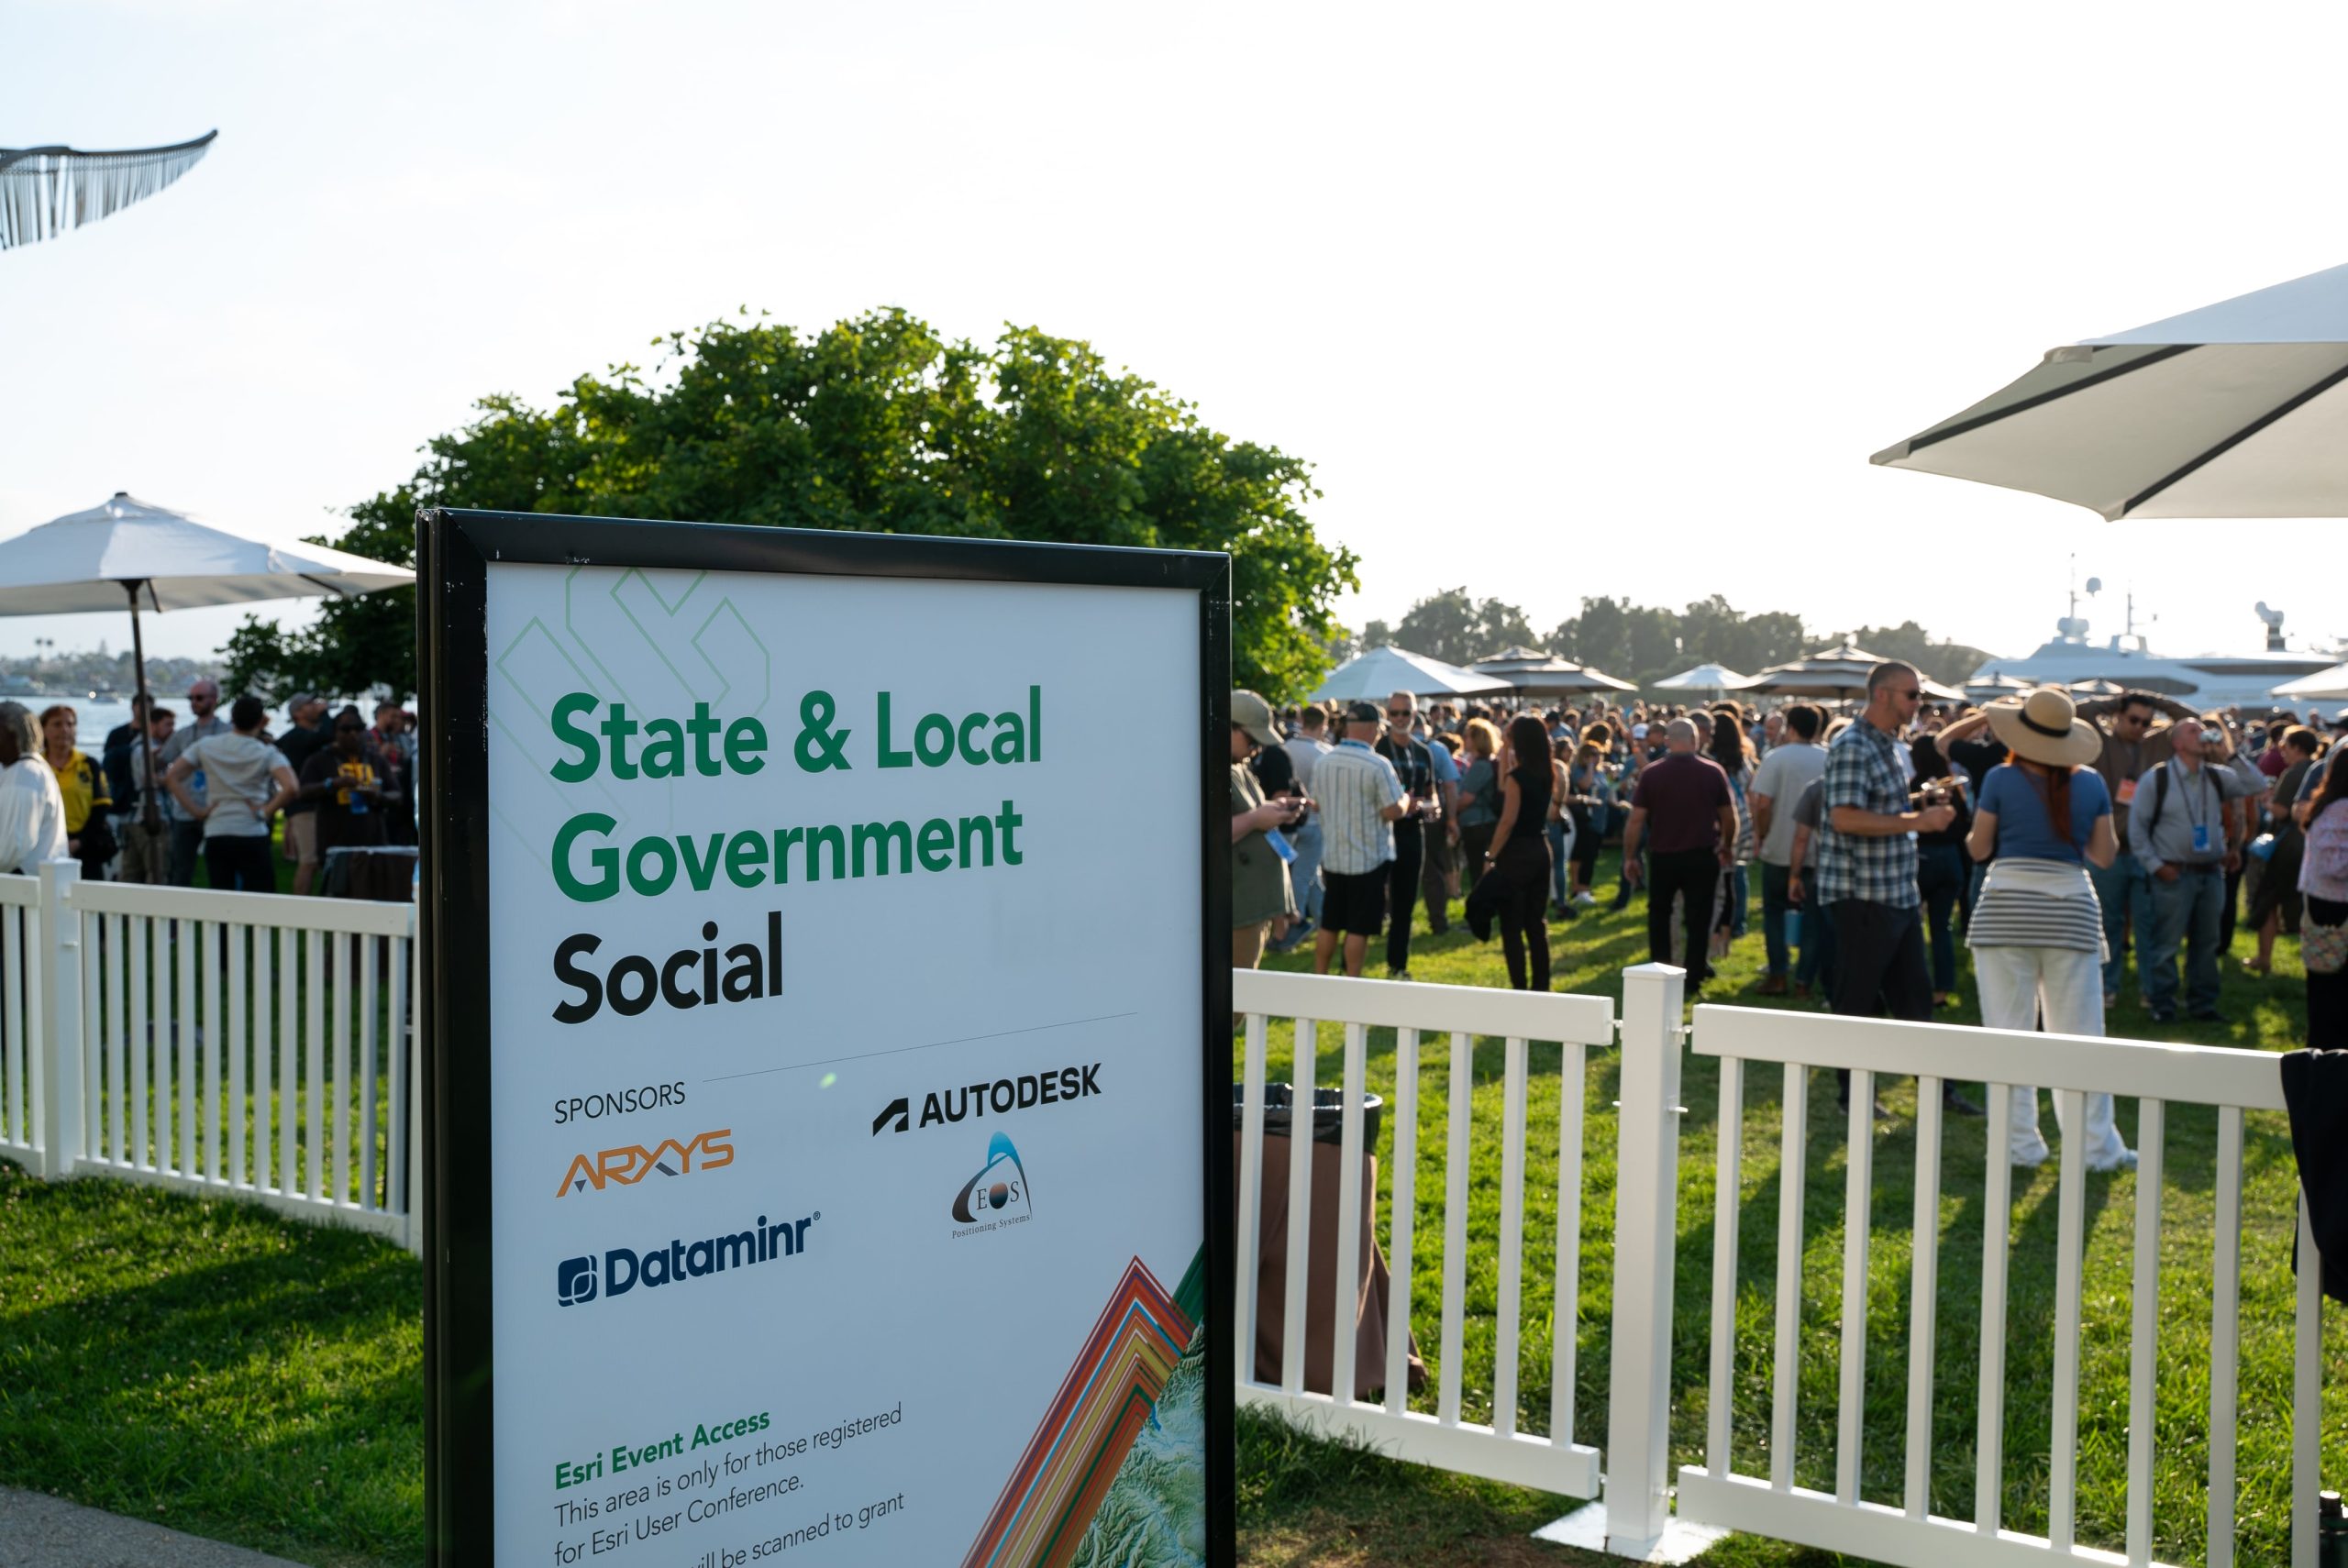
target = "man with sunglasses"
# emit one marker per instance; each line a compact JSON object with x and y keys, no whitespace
{"x":343,"y":782}
{"x":2132,"y":748}
{"x":1866,"y":864}
{"x":186,"y":821}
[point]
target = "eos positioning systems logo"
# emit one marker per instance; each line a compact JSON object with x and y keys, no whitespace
{"x":626,"y":1167}
{"x":577,"y":1281}
{"x":999,"y":1194}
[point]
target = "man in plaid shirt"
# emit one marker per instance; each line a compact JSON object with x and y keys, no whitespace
{"x":1866,"y":864}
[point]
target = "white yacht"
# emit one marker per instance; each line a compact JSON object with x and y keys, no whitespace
{"x":2213,"y":680}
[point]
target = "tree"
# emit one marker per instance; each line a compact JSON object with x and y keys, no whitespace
{"x":1376,"y":635}
{"x":876,"y":424}
{"x":1457,"y":629}
{"x":1948,"y":663}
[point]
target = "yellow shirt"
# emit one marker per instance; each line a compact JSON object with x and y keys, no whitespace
{"x":84,"y":784}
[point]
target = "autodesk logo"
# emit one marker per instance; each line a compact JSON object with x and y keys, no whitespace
{"x":577,"y":1280}
{"x":965,"y":1101}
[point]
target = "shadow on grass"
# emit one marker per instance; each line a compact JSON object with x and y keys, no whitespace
{"x":211,"y":1367}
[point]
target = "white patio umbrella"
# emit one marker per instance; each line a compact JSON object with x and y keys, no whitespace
{"x":1382,"y":671}
{"x":1716,"y":678}
{"x":2234,"y":410}
{"x":124,"y":550}
{"x":2323,"y":686}
{"x":1537,"y":674}
{"x":1839,"y":672}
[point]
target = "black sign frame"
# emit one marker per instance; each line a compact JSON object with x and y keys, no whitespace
{"x":454,"y":548}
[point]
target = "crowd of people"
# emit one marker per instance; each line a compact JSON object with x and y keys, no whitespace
{"x":2050,"y":839}
{"x":152,"y":807}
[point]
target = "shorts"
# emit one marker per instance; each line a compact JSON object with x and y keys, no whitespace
{"x":302,"y":832}
{"x":1355,"y":904}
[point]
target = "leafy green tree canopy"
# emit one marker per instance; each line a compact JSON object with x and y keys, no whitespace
{"x":1644,"y":642}
{"x":1457,"y":629}
{"x":876,"y":424}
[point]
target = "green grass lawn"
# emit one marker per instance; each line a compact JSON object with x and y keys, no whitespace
{"x":210,"y":1366}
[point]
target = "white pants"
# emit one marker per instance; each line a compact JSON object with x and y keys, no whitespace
{"x":2020,"y":985}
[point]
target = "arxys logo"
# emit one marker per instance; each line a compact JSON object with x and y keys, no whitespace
{"x":578,"y":1281}
{"x":1000,"y":1191}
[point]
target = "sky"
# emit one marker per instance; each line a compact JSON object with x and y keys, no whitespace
{"x":1558,"y":302}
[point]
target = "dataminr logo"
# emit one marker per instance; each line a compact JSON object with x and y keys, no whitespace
{"x":626,"y":1167}
{"x":999,"y":1194}
{"x":577,"y":1281}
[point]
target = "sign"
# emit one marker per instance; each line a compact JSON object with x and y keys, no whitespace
{"x":828,"y":1065}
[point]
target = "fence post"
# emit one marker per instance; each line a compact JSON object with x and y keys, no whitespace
{"x":53,"y":992}
{"x":1646,"y":1207}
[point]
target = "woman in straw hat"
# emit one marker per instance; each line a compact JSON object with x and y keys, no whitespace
{"x":2043,"y":819}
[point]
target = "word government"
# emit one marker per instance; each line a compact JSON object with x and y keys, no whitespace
{"x":602,"y":739}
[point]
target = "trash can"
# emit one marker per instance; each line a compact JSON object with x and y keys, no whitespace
{"x":1369,"y":1288}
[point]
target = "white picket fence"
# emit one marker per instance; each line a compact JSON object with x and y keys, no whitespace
{"x":1635,"y":1517}
{"x":229,"y":1044}
{"x":263,"y":1047}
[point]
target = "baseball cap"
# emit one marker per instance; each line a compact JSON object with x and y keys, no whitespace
{"x":1252,"y":714}
{"x":1364,"y":713}
{"x":1638,"y":732}
{"x":299,"y":700}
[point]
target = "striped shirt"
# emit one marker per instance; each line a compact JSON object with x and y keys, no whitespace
{"x":1354,"y":785}
{"x":2037,"y":903}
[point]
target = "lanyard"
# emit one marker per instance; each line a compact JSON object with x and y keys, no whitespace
{"x":2193,"y":781}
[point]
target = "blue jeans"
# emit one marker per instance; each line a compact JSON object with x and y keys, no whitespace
{"x":2185,"y":914}
{"x":1559,"y":872}
{"x":1817,"y":964}
{"x":1740,"y":894}
{"x":1305,"y":871}
{"x":2125,"y":891}
{"x":1940,"y":878}
{"x":1774,"y":905}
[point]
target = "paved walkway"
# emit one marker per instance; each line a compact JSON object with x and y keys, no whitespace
{"x":40,"y":1532}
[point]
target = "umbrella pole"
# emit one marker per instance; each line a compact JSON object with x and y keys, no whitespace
{"x":142,"y":712}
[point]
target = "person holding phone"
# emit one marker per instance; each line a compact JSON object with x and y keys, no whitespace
{"x":1259,"y":890}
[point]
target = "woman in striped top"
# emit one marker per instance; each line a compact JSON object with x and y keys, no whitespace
{"x":2036,"y":934}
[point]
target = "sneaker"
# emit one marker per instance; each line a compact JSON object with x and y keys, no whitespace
{"x":1398,"y":975}
{"x":2030,"y":1162}
{"x":2124,"y":1161}
{"x":1586,"y":900}
{"x":1952,"y":1100}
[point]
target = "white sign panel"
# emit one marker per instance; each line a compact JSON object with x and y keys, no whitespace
{"x":845,"y":1018}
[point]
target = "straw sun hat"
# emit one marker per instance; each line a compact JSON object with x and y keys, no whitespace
{"x":2044,"y":726}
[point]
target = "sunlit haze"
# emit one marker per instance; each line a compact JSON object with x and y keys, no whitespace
{"x":1558,"y":302}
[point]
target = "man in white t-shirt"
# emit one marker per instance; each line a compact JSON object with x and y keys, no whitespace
{"x":1784,"y":772}
{"x":32,"y":808}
